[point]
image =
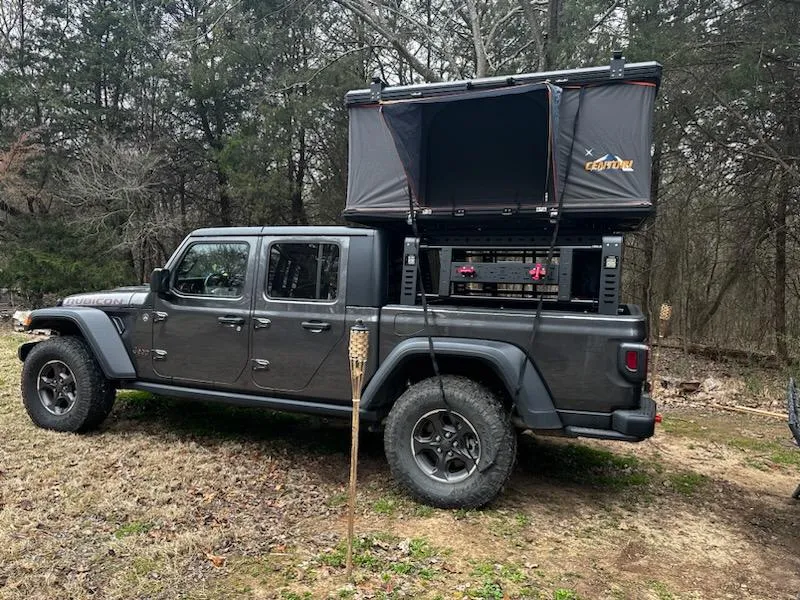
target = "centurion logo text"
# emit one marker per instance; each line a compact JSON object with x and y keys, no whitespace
{"x":609,"y":162}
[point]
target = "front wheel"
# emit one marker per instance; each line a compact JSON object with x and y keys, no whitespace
{"x":63,"y":387}
{"x":457,"y":454}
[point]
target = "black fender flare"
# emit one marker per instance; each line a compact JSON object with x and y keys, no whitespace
{"x":98,"y":331}
{"x":534,"y":403}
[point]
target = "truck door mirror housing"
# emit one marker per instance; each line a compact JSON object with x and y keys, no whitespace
{"x":159,"y":281}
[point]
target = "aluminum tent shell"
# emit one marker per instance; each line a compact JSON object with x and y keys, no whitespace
{"x":505,"y":146}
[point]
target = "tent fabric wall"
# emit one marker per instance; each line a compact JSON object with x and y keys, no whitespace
{"x":376,"y":182}
{"x":604,"y":160}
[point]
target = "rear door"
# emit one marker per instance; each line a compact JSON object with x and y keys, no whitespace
{"x":201,"y":327}
{"x":299,"y":310}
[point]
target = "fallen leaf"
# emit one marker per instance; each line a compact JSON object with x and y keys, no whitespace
{"x":216,"y":560}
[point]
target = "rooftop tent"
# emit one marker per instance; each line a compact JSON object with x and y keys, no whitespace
{"x":485,"y":151}
{"x":579,"y":139}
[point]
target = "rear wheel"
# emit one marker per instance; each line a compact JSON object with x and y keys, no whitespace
{"x":453,"y":455}
{"x":63,"y":387}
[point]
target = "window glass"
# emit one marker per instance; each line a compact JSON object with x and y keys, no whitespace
{"x":303,"y":271}
{"x":213,"y":269}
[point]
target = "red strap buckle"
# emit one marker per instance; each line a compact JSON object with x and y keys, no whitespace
{"x":466,"y":271}
{"x":538,"y":272}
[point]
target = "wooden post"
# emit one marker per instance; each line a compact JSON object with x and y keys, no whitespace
{"x":359,"y":351}
{"x":664,"y":315}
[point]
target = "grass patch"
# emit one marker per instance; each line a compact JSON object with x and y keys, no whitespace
{"x":423,"y":511}
{"x":387,"y":555}
{"x":775,"y":452}
{"x":507,"y":525}
{"x":565,"y":594}
{"x":687,"y":483}
{"x":337,"y":499}
{"x":132,"y":528}
{"x":578,"y":463}
{"x":678,"y":426}
{"x":489,"y":590}
{"x":505,"y":577}
{"x":661,"y":591}
{"x":385,"y":506}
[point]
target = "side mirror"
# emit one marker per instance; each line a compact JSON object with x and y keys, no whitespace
{"x":159,"y":281}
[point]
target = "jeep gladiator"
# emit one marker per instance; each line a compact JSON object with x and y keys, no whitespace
{"x":259,"y":316}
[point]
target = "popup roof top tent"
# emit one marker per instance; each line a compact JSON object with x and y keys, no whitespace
{"x":487,"y":149}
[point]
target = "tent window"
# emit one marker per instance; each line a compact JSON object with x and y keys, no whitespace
{"x":487,"y":152}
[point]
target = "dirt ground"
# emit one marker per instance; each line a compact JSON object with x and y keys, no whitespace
{"x":183,"y":500}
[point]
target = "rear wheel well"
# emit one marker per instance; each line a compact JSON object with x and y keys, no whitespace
{"x":419,"y":367}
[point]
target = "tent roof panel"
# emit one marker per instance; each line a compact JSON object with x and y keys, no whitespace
{"x":644,"y":71}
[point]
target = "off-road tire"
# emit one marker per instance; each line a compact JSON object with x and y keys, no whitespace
{"x":486,"y":415}
{"x":94,"y":395}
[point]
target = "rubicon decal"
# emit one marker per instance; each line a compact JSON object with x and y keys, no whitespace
{"x":609,"y":162}
{"x":95,"y":300}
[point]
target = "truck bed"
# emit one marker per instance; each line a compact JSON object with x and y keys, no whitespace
{"x":575,"y":353}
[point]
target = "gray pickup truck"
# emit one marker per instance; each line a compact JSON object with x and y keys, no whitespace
{"x":259,"y":316}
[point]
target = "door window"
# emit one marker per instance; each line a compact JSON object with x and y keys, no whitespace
{"x":213,"y":269}
{"x":299,"y":271}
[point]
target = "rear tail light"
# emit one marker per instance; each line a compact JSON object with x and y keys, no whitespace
{"x":632,"y":360}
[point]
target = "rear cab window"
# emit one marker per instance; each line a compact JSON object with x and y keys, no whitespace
{"x":303,"y":271}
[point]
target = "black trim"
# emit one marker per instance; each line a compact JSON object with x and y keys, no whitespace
{"x":98,"y":331}
{"x":599,"y":434}
{"x":251,"y":400}
{"x":534,"y":404}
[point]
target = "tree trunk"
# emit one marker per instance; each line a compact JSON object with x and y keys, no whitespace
{"x":780,"y":269}
{"x":298,"y":210}
{"x":481,"y":62}
{"x":551,"y":43}
{"x":648,"y":241}
{"x":224,"y":198}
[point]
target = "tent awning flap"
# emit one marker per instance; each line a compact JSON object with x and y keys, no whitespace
{"x":485,"y":149}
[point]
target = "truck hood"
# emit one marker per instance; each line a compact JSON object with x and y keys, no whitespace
{"x":122,"y":297}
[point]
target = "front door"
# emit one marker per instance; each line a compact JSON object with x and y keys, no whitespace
{"x":299,"y":311}
{"x":201,"y":327}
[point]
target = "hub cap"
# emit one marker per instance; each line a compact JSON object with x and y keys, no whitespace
{"x":56,"y":385}
{"x":445,"y":446}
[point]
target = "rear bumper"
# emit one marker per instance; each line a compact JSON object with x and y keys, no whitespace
{"x":639,"y":423}
{"x":628,"y":425}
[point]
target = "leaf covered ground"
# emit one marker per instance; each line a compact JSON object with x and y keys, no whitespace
{"x":183,"y":500}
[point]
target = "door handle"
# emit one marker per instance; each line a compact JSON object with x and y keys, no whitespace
{"x":159,"y":315}
{"x":231,"y":321}
{"x":259,"y":364}
{"x":159,"y":354}
{"x":316,"y":326}
{"x":261,"y":323}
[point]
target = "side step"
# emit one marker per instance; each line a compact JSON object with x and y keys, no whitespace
{"x":251,"y":400}
{"x":599,"y":434}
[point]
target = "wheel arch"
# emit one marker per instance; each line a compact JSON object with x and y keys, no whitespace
{"x":92,"y":325}
{"x":495,"y":364}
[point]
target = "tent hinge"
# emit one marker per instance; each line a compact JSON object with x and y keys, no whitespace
{"x":376,"y":87}
{"x":617,"y":64}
